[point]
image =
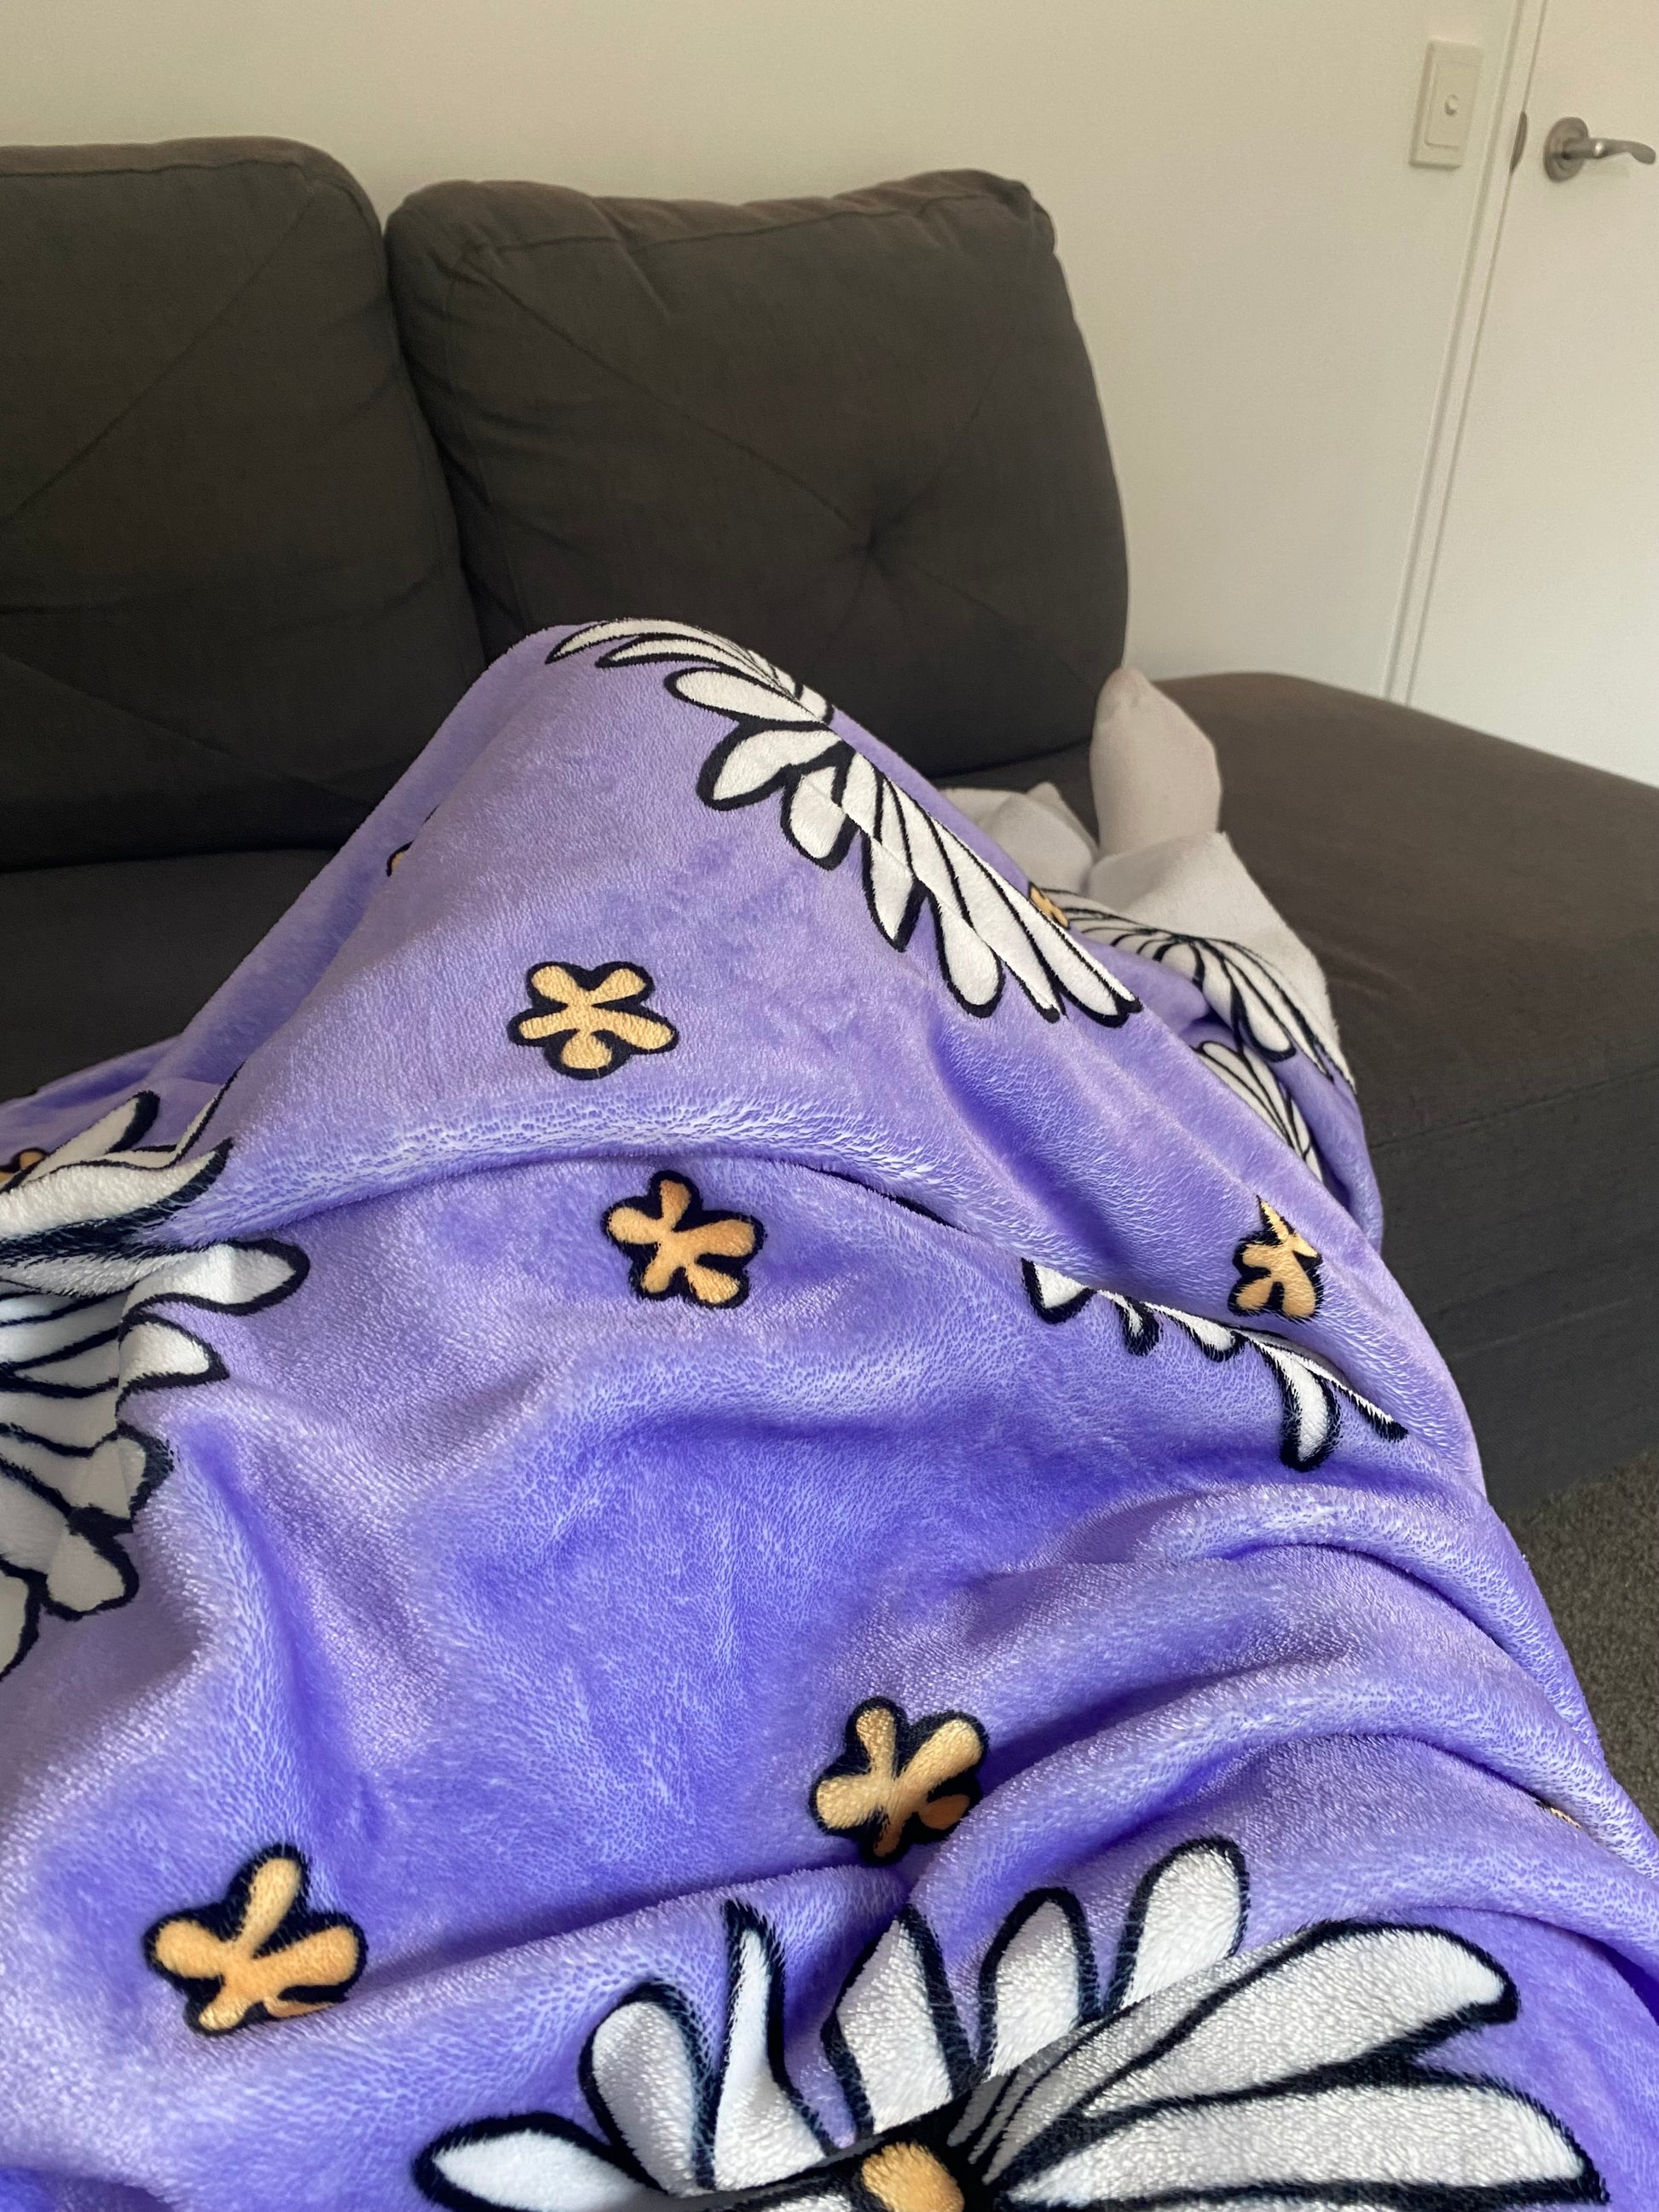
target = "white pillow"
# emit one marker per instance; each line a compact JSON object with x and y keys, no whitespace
{"x":1037,"y":830}
{"x":1153,"y":770}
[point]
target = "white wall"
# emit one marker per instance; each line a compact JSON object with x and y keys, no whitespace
{"x":1266,"y":288}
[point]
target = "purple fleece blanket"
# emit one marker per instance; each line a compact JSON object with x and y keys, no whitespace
{"x":685,"y":1511}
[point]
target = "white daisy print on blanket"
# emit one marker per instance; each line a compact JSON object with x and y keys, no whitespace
{"x":1296,"y":2075}
{"x":1311,"y":1394}
{"x":1266,"y":1024}
{"x":84,"y":1276}
{"x":782,"y":738}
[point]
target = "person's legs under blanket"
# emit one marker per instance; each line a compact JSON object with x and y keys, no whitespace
{"x":685,"y":1510}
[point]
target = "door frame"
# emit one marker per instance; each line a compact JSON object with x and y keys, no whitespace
{"x":1462,"y":349}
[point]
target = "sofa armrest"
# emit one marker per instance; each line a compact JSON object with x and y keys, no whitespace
{"x":1488,"y":917}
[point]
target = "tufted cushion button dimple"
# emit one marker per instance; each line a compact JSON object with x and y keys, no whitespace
{"x":679,"y":409}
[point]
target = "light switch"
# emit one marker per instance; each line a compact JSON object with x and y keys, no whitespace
{"x":1445,"y":106}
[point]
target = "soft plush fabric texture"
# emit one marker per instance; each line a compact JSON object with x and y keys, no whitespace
{"x":1153,"y":779}
{"x":720,"y":1524}
{"x":1036,"y":828}
{"x":1152,"y":772}
{"x":231,"y":610}
{"x":1488,"y":920}
{"x":859,"y":432}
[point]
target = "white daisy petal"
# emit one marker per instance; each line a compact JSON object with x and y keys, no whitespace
{"x":111,"y":1129}
{"x":231,"y":1277}
{"x":1212,"y":1336}
{"x":860,"y":796}
{"x":1310,"y":1410}
{"x":80,"y":1579}
{"x":1190,"y":1917}
{"x":106,"y":1477}
{"x":73,"y":1423}
{"x":1139,"y":1322}
{"x":754,"y":760}
{"x":1425,"y":2133}
{"x":155,"y":1351}
{"x":1252,"y":1080}
{"x":1088,"y":979}
{"x":759,"y":2134}
{"x":77,"y":1336}
{"x":33,"y":1328}
{"x":973,"y":969}
{"x":1039,"y":1987}
{"x":634,"y":637}
{"x":17,"y":1617}
{"x":533,"y":2170}
{"x":91,"y":1192}
{"x":746,"y":699}
{"x":992,"y":908}
{"x":887,"y":873}
{"x":1053,"y":2083}
{"x":885,"y":2021}
{"x":82,"y":1365}
{"x":1064,"y":2078}
{"x":1345,"y":1996}
{"x":1053,"y":1292}
{"x":813,"y":820}
{"x":647,"y":2078}
{"x":31,"y":1527}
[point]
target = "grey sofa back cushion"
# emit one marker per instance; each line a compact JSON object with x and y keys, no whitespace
{"x":231,"y":605}
{"x":859,"y":433}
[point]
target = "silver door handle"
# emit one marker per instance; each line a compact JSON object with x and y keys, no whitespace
{"x":1570,"y":145}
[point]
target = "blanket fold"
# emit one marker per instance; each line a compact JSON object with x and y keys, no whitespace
{"x":703,"y":1500}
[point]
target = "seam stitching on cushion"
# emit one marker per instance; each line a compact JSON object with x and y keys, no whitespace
{"x":440,"y":508}
{"x":490,"y":508}
{"x":1642,"y":1074}
{"x":891,"y":521}
{"x":162,"y":373}
{"x":722,"y":237}
{"x":1014,"y":630}
{"x":255,"y":769}
{"x":678,"y":408}
{"x":167,"y":169}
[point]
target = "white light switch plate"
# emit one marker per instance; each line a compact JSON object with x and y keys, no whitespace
{"x":1445,"y":106}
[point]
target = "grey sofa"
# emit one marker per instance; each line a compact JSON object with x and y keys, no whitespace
{"x":272,"y":489}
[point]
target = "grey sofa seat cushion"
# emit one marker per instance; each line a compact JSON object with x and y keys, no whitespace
{"x":101,"y":959}
{"x":859,"y":433}
{"x":231,"y":605}
{"x":1488,"y":918}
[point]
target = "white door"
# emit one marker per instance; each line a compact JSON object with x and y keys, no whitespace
{"x":1542,"y":615}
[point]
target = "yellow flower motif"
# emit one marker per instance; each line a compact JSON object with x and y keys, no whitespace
{"x":1045,"y":905}
{"x":906,"y":2177}
{"x":1278,"y":1269}
{"x":681,"y":1251}
{"x":588,"y":1021}
{"x":883,"y":1788}
{"x":258,"y":1953}
{"x":19,"y":1163}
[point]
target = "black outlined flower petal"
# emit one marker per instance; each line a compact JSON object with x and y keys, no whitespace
{"x":900,"y":1782}
{"x":1312,"y":1394}
{"x":85,"y":1273}
{"x":588,"y":1022}
{"x":1291,"y":2075}
{"x":783,"y":740}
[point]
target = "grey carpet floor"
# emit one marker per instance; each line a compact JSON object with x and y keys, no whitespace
{"x":1596,"y":1552}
